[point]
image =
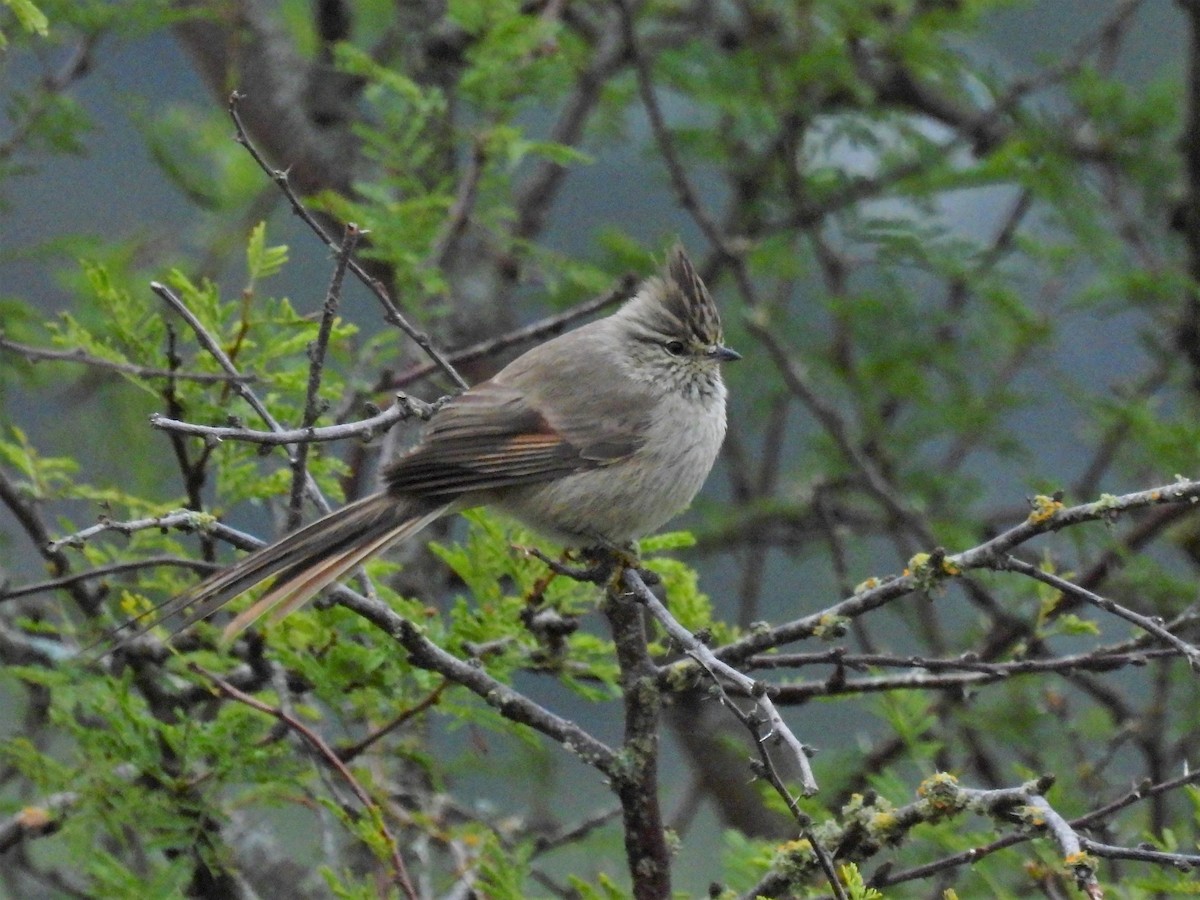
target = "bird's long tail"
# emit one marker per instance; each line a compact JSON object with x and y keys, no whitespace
{"x":305,"y":561}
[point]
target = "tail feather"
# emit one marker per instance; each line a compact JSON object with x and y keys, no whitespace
{"x":290,"y":593}
{"x":305,"y":561}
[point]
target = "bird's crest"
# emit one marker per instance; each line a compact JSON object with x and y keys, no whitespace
{"x":685,"y":302}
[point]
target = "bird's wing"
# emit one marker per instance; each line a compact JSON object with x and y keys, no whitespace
{"x":496,"y":435}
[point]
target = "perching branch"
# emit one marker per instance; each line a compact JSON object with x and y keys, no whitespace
{"x":636,"y":782}
{"x":766,"y":726}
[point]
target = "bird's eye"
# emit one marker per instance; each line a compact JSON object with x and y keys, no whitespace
{"x":675,"y":348}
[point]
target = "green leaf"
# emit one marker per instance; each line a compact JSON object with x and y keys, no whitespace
{"x":31,"y":18}
{"x":263,"y":261}
{"x":1074,"y":625}
{"x":604,"y":888}
{"x":854,"y":886}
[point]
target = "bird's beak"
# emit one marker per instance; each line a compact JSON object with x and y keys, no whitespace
{"x":721,"y":353}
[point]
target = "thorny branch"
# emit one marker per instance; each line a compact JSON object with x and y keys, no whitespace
{"x":316,"y":366}
{"x":213,"y":346}
{"x":392,"y":312}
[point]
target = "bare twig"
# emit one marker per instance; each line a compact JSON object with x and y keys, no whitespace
{"x":576,"y":832}
{"x":977,"y":674}
{"x":77,"y":64}
{"x":182,"y":519}
{"x":392,"y":313}
{"x":54,"y":584}
{"x":404,"y":408}
{"x":350,"y":751}
{"x":213,"y":346}
{"x":24,"y":508}
{"x":876,"y":592}
{"x":316,"y":366}
{"x":460,"y":213}
{"x":535,"y":196}
{"x":1146,"y":623}
{"x":1184,"y":861}
{"x":40,"y":354}
{"x":544,"y":328}
{"x":836,"y":427}
{"x":689,"y":199}
{"x":777,"y":729}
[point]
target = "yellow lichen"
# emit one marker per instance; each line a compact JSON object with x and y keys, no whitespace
{"x":1079,"y":858}
{"x":1044,"y":509}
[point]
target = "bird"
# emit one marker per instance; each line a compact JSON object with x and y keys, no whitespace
{"x":594,"y":438}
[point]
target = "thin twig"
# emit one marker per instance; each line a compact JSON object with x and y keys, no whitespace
{"x":1184,"y":861}
{"x":544,"y":328}
{"x":77,"y":355}
{"x":182,"y":519}
{"x":77,"y":64}
{"x":728,"y":250}
{"x":460,"y":213}
{"x":797,"y":381}
{"x":777,"y":729}
{"x":350,"y":751}
{"x":546,"y":843}
{"x":327,"y":753}
{"x":150,"y":562}
{"x":1146,"y":623}
{"x":392,"y":313}
{"x":316,"y":366}
{"x":218,"y":353}
{"x":688,"y":197}
{"x":838,"y":684}
{"x":404,"y":408}
{"x":24,"y":508}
